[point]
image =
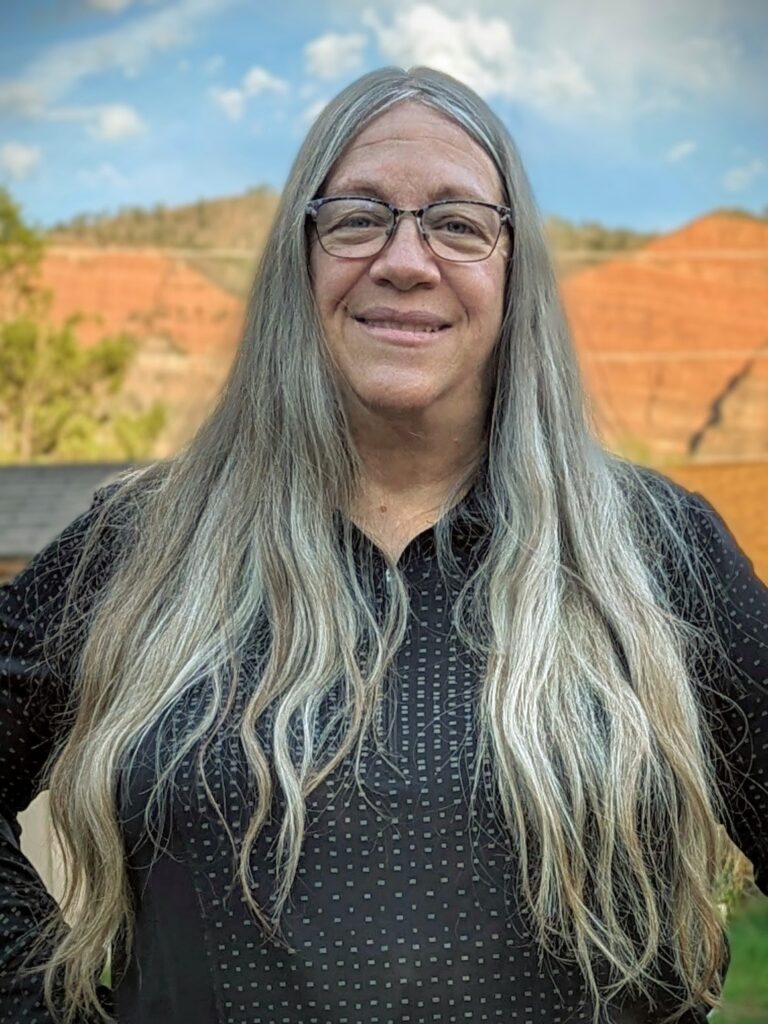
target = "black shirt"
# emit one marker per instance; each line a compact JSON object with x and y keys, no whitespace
{"x":404,"y":907}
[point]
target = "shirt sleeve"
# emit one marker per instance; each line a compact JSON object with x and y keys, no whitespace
{"x":32,"y":696}
{"x":736,"y":697}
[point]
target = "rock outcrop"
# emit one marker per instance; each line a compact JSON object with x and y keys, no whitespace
{"x":673,"y":340}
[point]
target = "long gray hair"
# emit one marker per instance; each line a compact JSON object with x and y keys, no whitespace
{"x":587,"y":712}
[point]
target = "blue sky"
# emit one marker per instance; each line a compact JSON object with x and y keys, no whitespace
{"x":632,"y":112}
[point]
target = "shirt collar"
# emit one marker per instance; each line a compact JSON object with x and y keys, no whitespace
{"x":469,"y":524}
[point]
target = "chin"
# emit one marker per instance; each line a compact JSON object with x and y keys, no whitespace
{"x":405,"y":400}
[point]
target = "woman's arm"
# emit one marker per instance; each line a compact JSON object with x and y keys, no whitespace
{"x":32,"y":698}
{"x":737,"y":696}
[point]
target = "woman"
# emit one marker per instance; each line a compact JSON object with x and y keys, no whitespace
{"x":393,"y":696}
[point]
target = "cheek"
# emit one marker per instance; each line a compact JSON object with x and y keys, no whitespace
{"x":500,"y":288}
{"x":331,"y":285}
{"x":488,"y":298}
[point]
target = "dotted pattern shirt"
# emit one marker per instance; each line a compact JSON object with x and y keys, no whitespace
{"x":404,"y":909}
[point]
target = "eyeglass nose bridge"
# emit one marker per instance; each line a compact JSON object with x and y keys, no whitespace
{"x":417,"y":215}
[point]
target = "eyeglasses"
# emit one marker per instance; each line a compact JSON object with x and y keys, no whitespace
{"x":461,"y":230}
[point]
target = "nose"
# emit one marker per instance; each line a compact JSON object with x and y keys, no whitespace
{"x":406,"y":260}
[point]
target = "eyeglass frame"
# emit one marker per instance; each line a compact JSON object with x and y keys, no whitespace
{"x":313,"y":205}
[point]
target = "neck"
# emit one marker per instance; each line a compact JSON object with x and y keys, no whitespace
{"x":413,"y":466}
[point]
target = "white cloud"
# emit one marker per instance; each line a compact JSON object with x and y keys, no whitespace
{"x":258,"y":80}
{"x":48,"y":80}
{"x":739,"y":178}
{"x":680,"y":151}
{"x":109,"y":122}
{"x":117,"y":122}
{"x":18,"y":160}
{"x":213,"y":64}
{"x":332,"y":55}
{"x":21,"y":98}
{"x":105,"y":174}
{"x":110,"y":6}
{"x":483,"y":53}
{"x":231,"y":101}
{"x":255,"y":81}
{"x":616,"y":61}
{"x":643,"y":58}
{"x":309,"y":113}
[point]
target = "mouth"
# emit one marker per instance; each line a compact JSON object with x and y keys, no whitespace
{"x":402,"y":331}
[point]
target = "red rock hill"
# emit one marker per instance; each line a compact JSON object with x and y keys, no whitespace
{"x":145,"y":292}
{"x":674,"y":340}
{"x":673,"y":337}
{"x":187,"y":327}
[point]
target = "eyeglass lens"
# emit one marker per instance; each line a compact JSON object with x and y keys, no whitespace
{"x":457,"y":231}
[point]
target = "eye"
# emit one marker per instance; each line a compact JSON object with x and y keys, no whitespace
{"x":357,"y":220}
{"x":464,"y":223}
{"x":456,"y":227}
{"x":351,"y":218}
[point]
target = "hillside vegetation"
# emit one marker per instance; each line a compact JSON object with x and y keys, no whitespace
{"x":236,"y":222}
{"x":222,"y":238}
{"x":591,"y":236}
{"x":59,"y":400}
{"x":241,"y":222}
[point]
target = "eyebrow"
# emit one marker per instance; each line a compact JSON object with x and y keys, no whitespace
{"x":366,"y":188}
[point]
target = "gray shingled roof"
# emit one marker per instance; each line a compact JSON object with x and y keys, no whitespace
{"x":37,"y":502}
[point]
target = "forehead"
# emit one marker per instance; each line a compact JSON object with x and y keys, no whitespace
{"x":414,"y":153}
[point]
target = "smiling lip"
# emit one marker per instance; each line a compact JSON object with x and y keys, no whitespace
{"x":401,"y":326}
{"x":417,"y":318}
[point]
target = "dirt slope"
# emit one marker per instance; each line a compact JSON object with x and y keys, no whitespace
{"x":144,"y":292}
{"x":186,"y":326}
{"x":674,"y":340}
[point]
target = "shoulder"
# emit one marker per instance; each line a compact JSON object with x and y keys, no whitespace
{"x":95,"y":531}
{"x":702,"y":573}
{"x":654,"y":488}
{"x":664,"y":505}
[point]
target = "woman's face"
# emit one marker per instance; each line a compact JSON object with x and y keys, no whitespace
{"x":410,"y":156}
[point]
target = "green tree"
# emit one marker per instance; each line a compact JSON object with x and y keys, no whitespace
{"x":21,"y":249}
{"x":58,"y":400}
